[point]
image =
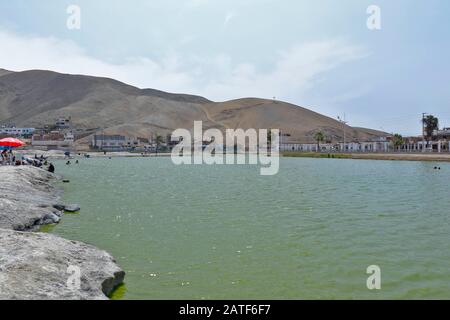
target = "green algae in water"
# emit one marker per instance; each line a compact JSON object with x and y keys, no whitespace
{"x":225,"y":232}
{"x":119,"y":292}
{"x":47,"y":228}
{"x":72,"y":213}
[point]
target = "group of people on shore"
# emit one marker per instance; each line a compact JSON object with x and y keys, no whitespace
{"x":9,"y":158}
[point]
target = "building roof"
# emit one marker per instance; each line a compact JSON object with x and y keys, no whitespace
{"x":104,"y":137}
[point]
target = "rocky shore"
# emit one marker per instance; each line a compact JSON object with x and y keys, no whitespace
{"x":27,"y":198}
{"x":38,"y":265}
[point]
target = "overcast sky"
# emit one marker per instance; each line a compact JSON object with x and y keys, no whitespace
{"x":317,"y":54}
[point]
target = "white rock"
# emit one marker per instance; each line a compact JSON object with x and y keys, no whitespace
{"x":34,"y":266}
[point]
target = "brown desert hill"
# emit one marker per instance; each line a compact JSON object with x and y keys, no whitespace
{"x":36,"y":98}
{"x":299,"y":123}
{"x":4,"y":72}
{"x":372,"y":131}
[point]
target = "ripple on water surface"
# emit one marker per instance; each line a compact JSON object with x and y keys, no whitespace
{"x":192,"y":232}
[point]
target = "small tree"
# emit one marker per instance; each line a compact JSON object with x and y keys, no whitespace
{"x":319,"y":137}
{"x":398,"y":140}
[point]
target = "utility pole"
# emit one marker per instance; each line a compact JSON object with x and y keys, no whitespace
{"x":423,"y":131}
{"x":281,"y":139}
{"x":344,"y":123}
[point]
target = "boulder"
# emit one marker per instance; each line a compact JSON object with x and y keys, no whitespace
{"x":26,"y":197}
{"x":58,"y":213}
{"x":51,"y":218}
{"x":39,"y":266}
{"x":72,"y":208}
{"x":59,"y":207}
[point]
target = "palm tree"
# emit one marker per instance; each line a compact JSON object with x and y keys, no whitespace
{"x":269,"y":136}
{"x":430,"y":123}
{"x":398,"y":140}
{"x":319,"y":137}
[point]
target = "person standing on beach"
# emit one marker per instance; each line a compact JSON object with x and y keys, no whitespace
{"x":8,"y":157}
{"x":3,"y":154}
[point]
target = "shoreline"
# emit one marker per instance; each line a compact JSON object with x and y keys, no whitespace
{"x":434,"y":157}
{"x":430,"y":157}
{"x":35,"y":265}
{"x":59,"y":155}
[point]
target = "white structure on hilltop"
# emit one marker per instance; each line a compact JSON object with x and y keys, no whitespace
{"x":63,"y":123}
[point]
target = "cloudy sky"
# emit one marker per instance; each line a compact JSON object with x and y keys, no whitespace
{"x":317,"y":54}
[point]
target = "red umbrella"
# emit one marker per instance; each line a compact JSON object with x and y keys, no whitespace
{"x":11,"y":142}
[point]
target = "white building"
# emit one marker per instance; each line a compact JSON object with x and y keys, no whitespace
{"x":442,"y":133}
{"x":13,"y":131}
{"x":430,"y":146}
{"x":114,"y":142}
{"x":307,"y":147}
{"x":365,"y":146}
{"x":381,"y":145}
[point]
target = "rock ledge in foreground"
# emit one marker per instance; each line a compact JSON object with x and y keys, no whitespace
{"x":34,"y":266}
{"x":26,"y":198}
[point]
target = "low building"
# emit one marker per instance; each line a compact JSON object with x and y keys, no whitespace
{"x":418,"y":144}
{"x":116,"y":142}
{"x":110,"y":142}
{"x":442,"y":134}
{"x":307,"y":147}
{"x":53,"y":140}
{"x":18,"y":132}
{"x":377,"y":145}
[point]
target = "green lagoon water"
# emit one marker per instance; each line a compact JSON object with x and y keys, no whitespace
{"x":223,"y":232}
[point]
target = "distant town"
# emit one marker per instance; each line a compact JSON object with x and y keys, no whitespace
{"x":62,"y":135}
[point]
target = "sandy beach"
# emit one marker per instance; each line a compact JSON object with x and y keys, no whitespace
{"x":438,"y":157}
